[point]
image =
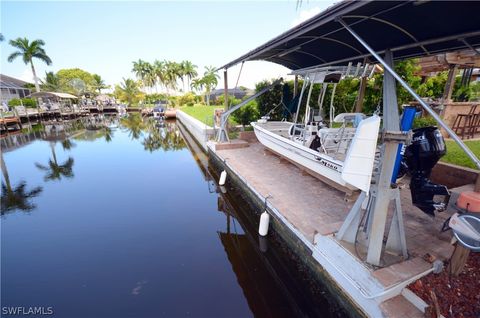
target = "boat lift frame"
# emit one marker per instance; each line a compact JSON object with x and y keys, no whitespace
{"x":331,"y":26}
{"x":222,"y":135}
{"x":384,"y":190}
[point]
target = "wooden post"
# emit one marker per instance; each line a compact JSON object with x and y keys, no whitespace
{"x":450,"y":84}
{"x":361,"y":94}
{"x":458,"y":259}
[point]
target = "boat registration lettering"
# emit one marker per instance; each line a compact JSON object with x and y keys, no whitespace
{"x":328,"y":164}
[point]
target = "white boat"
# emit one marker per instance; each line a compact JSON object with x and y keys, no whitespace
{"x":342,"y":157}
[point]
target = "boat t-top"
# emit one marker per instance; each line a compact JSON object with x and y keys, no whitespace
{"x":340,"y":151}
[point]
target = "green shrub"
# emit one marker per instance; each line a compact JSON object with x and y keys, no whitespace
{"x":246,"y":114}
{"x":29,"y":102}
{"x":231,"y":100}
{"x":14,"y":102}
{"x":173,"y":101}
{"x":420,"y":122}
{"x":462,"y":93}
{"x":433,"y":86}
{"x":187,"y":99}
{"x":153,"y":98}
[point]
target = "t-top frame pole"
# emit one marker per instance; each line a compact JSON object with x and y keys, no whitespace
{"x":432,"y":113}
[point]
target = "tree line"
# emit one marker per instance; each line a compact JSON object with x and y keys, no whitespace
{"x":167,"y":75}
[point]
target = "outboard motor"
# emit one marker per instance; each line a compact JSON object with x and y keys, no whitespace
{"x":427,"y":147}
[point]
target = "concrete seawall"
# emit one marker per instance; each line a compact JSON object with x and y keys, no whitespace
{"x":200,"y":131}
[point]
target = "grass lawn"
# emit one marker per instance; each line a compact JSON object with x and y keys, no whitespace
{"x":456,"y":156}
{"x":204,"y":113}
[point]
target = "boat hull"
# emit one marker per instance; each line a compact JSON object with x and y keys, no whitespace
{"x":319,"y":165}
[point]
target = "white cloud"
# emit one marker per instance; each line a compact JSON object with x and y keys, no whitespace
{"x":305,"y":15}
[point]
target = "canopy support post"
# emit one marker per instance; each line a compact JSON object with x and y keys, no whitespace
{"x":223,"y":132}
{"x":391,"y":122}
{"x":225,"y":88}
{"x":447,"y":94}
{"x":432,"y":113}
{"x":295,"y":86}
{"x":361,"y":94}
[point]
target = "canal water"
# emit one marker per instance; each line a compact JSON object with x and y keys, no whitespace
{"x":109,"y":217}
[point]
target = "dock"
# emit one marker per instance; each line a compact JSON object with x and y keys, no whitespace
{"x":307,"y":213}
{"x":313,"y":212}
{"x":10,"y":123}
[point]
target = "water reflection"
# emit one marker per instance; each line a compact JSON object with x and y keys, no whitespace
{"x":16,"y":197}
{"x":273,"y":282}
{"x":162,"y":135}
{"x":134,"y":125}
{"x":68,"y":144}
{"x":157,"y":135}
{"x":54,"y":170}
{"x":136,"y":232}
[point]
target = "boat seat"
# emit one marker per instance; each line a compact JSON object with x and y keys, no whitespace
{"x":297,"y":131}
{"x":336,"y":140}
{"x":354,"y":118}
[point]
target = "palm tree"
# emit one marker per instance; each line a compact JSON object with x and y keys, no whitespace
{"x":17,"y":197}
{"x":182,"y":74}
{"x":99,"y":83}
{"x":1,"y":37}
{"x":54,"y":170}
{"x":190,"y":71}
{"x":51,"y":82}
{"x":172,"y":73}
{"x":29,"y":50}
{"x":128,"y":91}
{"x":138,"y":69}
{"x":150,"y":79}
{"x":197,"y":84}
{"x":144,"y":72}
{"x":210,"y":81}
{"x":159,"y":68}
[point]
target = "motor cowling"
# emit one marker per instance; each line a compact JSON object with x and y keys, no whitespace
{"x":427,"y":147}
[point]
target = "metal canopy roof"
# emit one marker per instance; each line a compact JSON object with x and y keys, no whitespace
{"x":408,"y":28}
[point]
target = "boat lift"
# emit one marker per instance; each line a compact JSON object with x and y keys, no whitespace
{"x":222,"y":135}
{"x":384,"y":192}
{"x":391,"y":30}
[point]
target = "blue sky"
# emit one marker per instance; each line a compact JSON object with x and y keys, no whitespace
{"x":105,"y":37}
